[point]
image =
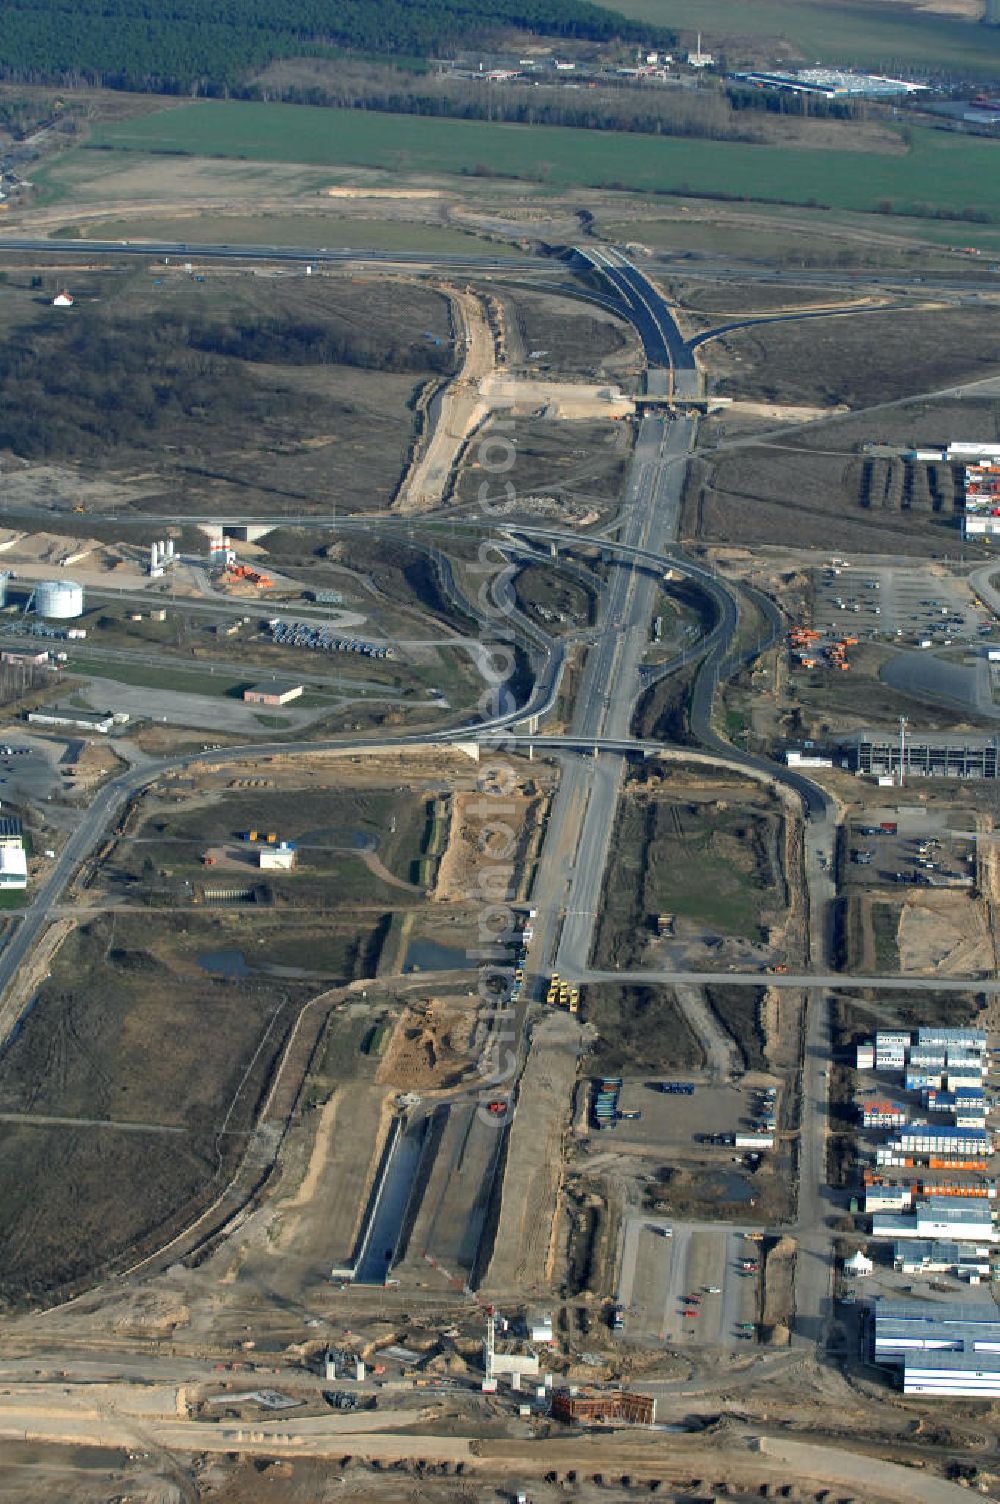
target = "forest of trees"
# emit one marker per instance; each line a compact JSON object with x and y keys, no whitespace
{"x":184,"y":46}
{"x":710,"y":112}
{"x":80,"y":390}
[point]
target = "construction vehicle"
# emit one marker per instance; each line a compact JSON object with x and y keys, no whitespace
{"x":237,"y":574}
{"x":754,"y":1237}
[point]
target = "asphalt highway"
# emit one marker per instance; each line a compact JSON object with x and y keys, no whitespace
{"x":663,"y":342}
{"x":318,"y":255}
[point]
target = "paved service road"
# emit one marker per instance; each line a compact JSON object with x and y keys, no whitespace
{"x":832,"y":980}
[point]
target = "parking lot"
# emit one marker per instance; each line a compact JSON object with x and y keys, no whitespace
{"x":934,"y":858}
{"x":683,"y":1123}
{"x":684,"y":1282}
{"x":29,"y":771}
{"x":318,"y":639}
{"x":905,"y":605}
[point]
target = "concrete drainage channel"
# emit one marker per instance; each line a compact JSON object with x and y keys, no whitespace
{"x":385,"y":1213}
{"x":433,"y":1194}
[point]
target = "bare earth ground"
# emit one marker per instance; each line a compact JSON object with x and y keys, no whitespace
{"x":944,"y":933}
{"x":430,"y":1046}
{"x":458,"y":412}
{"x":349,"y":1134}
{"x":871,"y":358}
{"x":471,"y":845}
{"x":522,"y":1254}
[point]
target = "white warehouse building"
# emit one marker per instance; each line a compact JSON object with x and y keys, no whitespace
{"x":954,"y":1219}
{"x":963,"y":1143}
{"x":950,"y":1350}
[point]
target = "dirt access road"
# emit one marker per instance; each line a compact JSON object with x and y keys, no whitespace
{"x":455,"y":412}
{"x":115,"y":1416}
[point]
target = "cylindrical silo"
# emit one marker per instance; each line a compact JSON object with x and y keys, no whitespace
{"x":59,"y":598}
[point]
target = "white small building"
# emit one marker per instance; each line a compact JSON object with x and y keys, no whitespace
{"x":13,"y":868}
{"x":807,"y":760}
{"x":524,"y":1365}
{"x":540,"y":1327}
{"x":699,"y":59}
{"x":877,"y":1114}
{"x":277,"y":858}
{"x":859,"y":1265}
{"x":888,"y":1198}
{"x":62,"y":300}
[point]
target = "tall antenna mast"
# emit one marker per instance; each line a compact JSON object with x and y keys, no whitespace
{"x":490,"y":1346}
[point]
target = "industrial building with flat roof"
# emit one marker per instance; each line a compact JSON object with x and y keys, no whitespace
{"x":11,"y":833}
{"x":278,"y":692}
{"x":13,"y":868}
{"x":966,"y":1143}
{"x":950,"y":1350}
{"x":934,"y":1256}
{"x":79,"y":720}
{"x":957,"y":1219}
{"x":926,"y":754}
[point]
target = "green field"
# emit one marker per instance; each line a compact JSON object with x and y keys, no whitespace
{"x":948,"y":171}
{"x":152,"y":676}
{"x":887,"y":37}
{"x":786,"y":244}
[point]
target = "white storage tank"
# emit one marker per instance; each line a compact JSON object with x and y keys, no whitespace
{"x":59,"y":598}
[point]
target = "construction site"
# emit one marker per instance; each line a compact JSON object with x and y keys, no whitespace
{"x":525,"y":942}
